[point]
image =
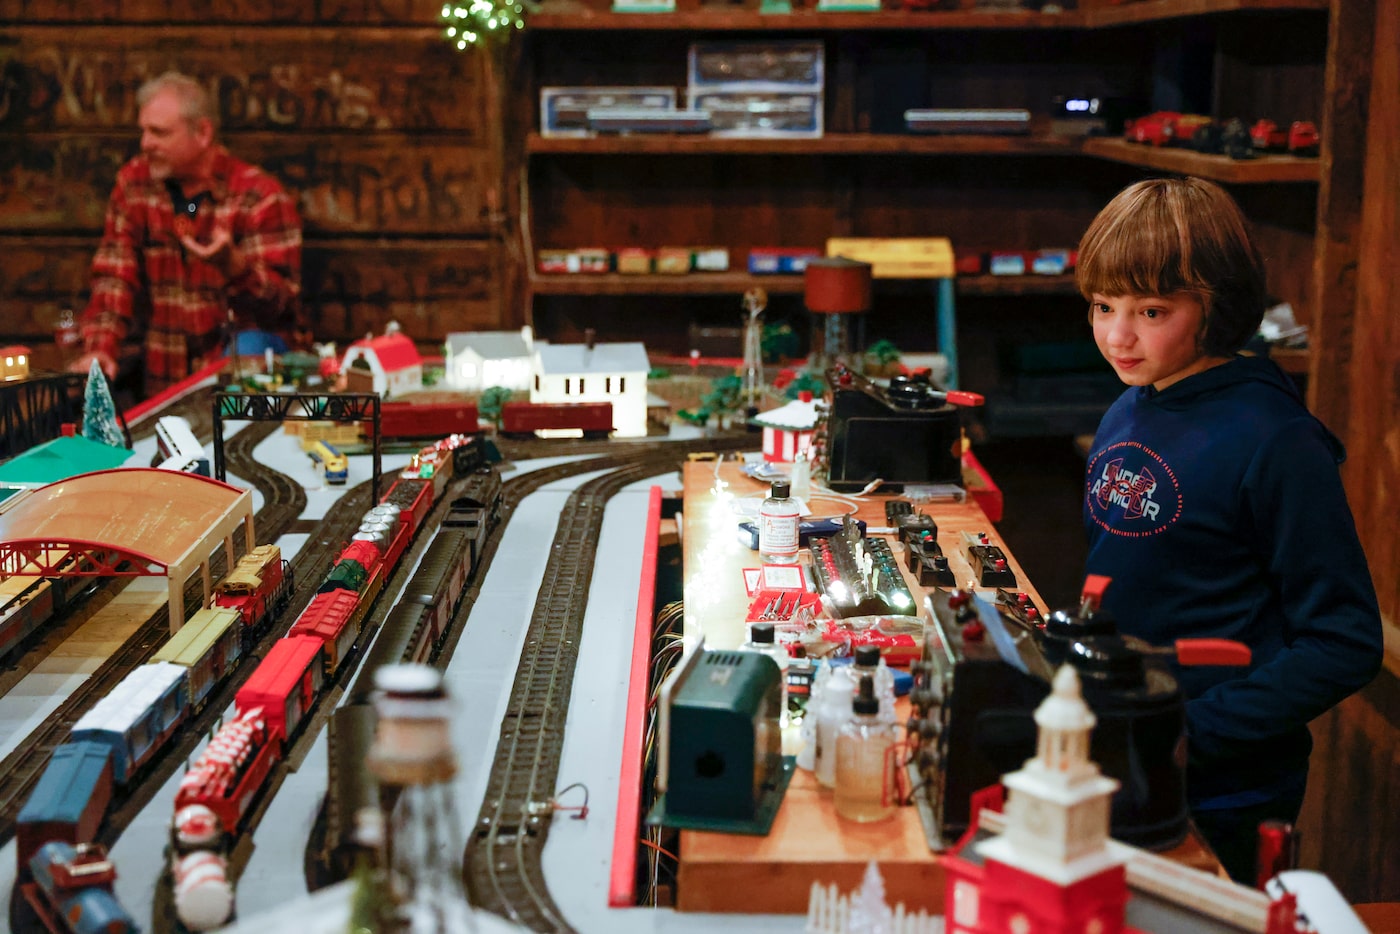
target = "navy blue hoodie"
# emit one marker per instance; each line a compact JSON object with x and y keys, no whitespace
{"x":1216,"y":508}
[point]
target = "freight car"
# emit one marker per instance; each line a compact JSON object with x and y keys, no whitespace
{"x":71,"y":891}
{"x":28,"y":602}
{"x":209,"y":646}
{"x":557,"y":419}
{"x":69,"y":801}
{"x":426,"y":420}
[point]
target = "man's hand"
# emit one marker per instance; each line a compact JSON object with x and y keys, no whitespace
{"x":84,"y":364}
{"x":219,"y":251}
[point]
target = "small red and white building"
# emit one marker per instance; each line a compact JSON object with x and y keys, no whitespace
{"x":389,"y":365}
{"x":787,"y":431}
{"x":1052,"y":869}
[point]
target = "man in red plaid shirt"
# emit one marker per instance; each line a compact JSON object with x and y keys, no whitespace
{"x":194,"y":239}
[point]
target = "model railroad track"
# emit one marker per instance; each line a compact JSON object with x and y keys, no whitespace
{"x":20,"y":770}
{"x":503,"y":868}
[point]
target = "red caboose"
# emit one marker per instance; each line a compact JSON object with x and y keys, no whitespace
{"x":426,"y":420}
{"x":593,"y":419}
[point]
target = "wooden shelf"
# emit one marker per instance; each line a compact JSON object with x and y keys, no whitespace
{"x":830,"y":144}
{"x":567,"y":15}
{"x":1148,"y":11}
{"x":723,"y":283}
{"x":573,"y":15}
{"x":694,"y":283}
{"x":1265,"y":169}
{"x":1016,"y":285}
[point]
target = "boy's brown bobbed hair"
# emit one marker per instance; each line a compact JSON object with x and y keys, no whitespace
{"x":1169,"y":235}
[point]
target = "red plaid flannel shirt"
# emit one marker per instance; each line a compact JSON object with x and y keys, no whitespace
{"x":144,"y":287}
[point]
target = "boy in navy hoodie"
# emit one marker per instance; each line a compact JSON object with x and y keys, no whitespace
{"x":1214,"y":502}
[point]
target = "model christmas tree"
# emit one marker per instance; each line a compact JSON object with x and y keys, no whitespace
{"x":100,"y":412}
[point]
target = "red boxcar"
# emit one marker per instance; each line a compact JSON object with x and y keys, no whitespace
{"x":335,"y":618}
{"x":592,"y":418}
{"x":229,"y":773}
{"x":426,"y":420}
{"x":284,"y":684}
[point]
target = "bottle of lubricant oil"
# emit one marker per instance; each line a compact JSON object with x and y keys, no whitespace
{"x":779,"y":522}
{"x":865,"y":786}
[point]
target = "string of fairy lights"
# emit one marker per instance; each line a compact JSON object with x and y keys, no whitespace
{"x":480,"y":21}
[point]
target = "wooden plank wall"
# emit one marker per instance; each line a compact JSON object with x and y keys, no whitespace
{"x":387,"y":136}
{"x":1351,"y":820}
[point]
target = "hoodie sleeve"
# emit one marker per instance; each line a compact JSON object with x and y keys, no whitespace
{"x":1295,"y":509}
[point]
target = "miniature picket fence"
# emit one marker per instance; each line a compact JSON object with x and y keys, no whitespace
{"x":864,"y":911}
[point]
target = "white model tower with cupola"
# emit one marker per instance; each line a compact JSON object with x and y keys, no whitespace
{"x":1051,"y":871}
{"x":1057,"y":806}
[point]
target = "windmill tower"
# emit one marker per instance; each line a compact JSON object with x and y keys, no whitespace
{"x":755,"y":301}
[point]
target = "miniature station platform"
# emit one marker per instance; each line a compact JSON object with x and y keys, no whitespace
{"x":808,"y":841}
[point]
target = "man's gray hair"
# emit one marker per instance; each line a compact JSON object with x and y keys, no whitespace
{"x":194,"y":100}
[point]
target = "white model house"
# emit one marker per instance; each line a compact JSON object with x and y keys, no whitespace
{"x":389,"y":365}
{"x":593,"y":372}
{"x":478,"y":360}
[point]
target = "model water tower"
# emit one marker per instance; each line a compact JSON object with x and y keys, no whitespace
{"x":835,"y":289}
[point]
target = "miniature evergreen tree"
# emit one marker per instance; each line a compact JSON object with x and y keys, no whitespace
{"x":492,"y":403}
{"x":807,"y":381}
{"x":869,"y":913}
{"x":100,"y":412}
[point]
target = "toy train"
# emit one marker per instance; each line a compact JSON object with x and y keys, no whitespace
{"x":329,"y":458}
{"x":72,"y":890}
{"x":179,"y":448}
{"x":28,"y":601}
{"x":111,"y":745}
{"x":409,"y":633}
{"x":274,"y":703}
{"x":557,"y":419}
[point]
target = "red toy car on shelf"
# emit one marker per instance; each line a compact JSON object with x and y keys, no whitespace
{"x":1164,"y":128}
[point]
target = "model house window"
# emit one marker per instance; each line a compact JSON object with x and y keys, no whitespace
{"x":607,"y":384}
{"x":537,"y":382}
{"x":568,"y":385}
{"x":622,"y":384}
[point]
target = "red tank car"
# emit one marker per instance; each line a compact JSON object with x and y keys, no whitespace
{"x":426,"y":420}
{"x":336,"y":619}
{"x":592,"y":419}
{"x":228,"y":774}
{"x":284,"y":684}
